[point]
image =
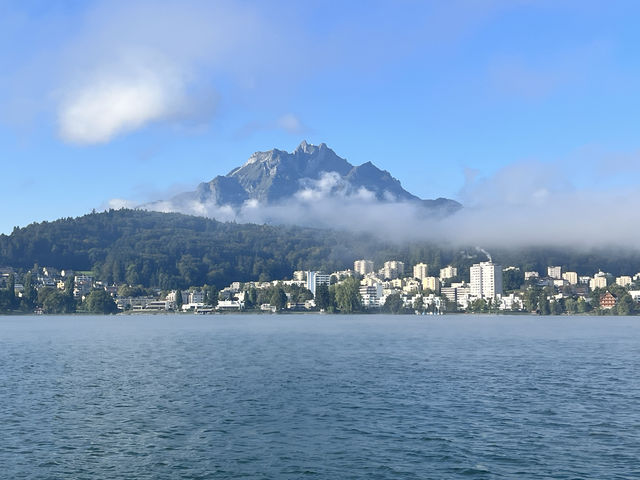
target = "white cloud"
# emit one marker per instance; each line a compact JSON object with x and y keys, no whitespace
{"x":116,"y":103}
{"x":135,"y":63}
{"x":290,"y":123}
{"x":287,"y":122}
{"x":525,"y":204}
{"x":533,"y":203}
{"x":329,"y":184}
{"x":118,"y":203}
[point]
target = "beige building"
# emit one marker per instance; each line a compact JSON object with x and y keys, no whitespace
{"x":420,"y":271}
{"x":598,"y":282}
{"x":554,"y":272}
{"x":624,"y":280}
{"x":393,"y":269}
{"x":363,"y":267}
{"x":448,"y":272}
{"x":571,"y":277}
{"x":431,"y":283}
{"x":370,"y":280}
{"x":411,"y":286}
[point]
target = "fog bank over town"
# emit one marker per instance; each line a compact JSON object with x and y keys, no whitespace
{"x":508,"y":210}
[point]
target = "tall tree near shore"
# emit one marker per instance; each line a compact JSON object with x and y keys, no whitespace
{"x":348,"y":295}
{"x":178,"y":300}
{"x":278,"y":298}
{"x":11,"y":290}
{"x":29,"y":295}
{"x":99,"y":301}
{"x":323,"y":298}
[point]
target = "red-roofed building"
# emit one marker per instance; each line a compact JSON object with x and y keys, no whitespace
{"x":607,"y":300}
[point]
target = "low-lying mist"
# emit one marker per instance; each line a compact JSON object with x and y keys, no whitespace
{"x":522,"y":206}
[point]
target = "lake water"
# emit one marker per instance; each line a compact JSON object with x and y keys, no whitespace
{"x":313,"y":396}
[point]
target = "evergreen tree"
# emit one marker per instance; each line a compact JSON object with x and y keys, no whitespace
{"x":531,"y":298}
{"x":250,"y":297}
{"x":11,"y":291}
{"x":211,"y":295}
{"x":479,"y":305}
{"x":393,"y":304}
{"x":323,"y":298}
{"x":99,"y":301}
{"x":570,"y":305}
{"x":178,"y":301}
{"x":512,"y":279}
{"x":582,"y":306}
{"x":70,"y":301}
{"x":52,"y":300}
{"x":625,"y":305}
{"x":556,"y":307}
{"x":29,"y":295}
{"x":543,"y":305}
{"x":450,"y":305}
{"x":278,"y":299}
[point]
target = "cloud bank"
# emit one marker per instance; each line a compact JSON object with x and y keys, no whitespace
{"x":528,"y":203}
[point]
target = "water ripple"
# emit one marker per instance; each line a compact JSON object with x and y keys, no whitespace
{"x":319,"y":397}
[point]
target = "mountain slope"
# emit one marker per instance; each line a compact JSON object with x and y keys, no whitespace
{"x":277,"y":177}
{"x":170,"y":250}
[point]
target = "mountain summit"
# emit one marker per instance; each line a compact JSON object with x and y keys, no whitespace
{"x":277,"y":177}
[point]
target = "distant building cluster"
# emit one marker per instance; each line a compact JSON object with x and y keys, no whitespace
{"x":428,"y":289}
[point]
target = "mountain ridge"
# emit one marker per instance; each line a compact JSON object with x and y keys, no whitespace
{"x":276,"y":176}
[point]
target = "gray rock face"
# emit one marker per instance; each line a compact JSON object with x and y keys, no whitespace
{"x":276,"y":176}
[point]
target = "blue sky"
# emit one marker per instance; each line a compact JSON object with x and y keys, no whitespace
{"x":108,"y":102}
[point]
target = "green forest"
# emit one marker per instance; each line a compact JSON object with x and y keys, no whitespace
{"x":171,"y":250}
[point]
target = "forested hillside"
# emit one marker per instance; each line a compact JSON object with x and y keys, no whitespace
{"x":171,"y":250}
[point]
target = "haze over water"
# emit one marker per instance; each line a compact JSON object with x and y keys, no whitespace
{"x":376,"y":397}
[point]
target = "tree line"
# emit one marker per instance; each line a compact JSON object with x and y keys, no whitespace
{"x":171,"y":250}
{"x":52,"y":300}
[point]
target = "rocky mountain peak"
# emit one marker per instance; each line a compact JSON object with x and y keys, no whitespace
{"x":309,"y":148}
{"x":276,"y":176}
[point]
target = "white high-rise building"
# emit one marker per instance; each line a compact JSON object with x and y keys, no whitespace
{"x":554,"y":272}
{"x":363,"y":267}
{"x":393,"y":269}
{"x":317,"y":278}
{"x":420,"y":271}
{"x":448,"y":272}
{"x":486,"y":280}
{"x":371,"y":295}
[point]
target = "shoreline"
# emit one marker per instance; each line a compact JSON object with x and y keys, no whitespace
{"x":260,"y":313}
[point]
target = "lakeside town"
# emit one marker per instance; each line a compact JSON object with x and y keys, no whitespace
{"x":393,"y":288}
